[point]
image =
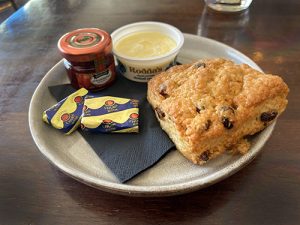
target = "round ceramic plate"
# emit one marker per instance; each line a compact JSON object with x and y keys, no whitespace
{"x":172,"y":175}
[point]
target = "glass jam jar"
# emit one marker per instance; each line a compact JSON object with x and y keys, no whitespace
{"x":88,"y":58}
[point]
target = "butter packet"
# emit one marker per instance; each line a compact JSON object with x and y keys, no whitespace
{"x":110,"y":115}
{"x":66,"y":114}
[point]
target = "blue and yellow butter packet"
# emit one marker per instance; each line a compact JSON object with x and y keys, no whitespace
{"x":110,"y":115}
{"x":66,"y":114}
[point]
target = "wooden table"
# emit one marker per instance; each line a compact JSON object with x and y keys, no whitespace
{"x":33,"y":192}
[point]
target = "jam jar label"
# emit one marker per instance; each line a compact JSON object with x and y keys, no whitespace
{"x":101,"y":78}
{"x":96,"y":80}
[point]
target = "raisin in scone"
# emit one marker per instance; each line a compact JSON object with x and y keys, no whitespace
{"x":210,"y":106}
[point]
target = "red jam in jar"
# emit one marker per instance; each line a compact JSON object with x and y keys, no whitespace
{"x":88,"y":58}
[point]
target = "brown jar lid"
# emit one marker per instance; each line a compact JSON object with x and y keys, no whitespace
{"x":85,"y":44}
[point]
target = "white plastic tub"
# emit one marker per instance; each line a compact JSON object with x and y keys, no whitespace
{"x":143,"y":69}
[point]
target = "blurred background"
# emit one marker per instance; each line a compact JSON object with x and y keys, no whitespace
{"x":8,"y":7}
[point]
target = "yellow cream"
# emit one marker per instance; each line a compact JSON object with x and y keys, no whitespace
{"x":145,"y":44}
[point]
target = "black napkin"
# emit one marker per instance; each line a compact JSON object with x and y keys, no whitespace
{"x":126,"y":155}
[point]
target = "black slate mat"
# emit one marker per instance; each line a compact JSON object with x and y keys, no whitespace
{"x":126,"y":155}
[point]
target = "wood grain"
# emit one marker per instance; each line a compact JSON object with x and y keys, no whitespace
{"x":33,"y":192}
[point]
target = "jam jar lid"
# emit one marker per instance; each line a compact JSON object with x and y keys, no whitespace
{"x":84,"y":44}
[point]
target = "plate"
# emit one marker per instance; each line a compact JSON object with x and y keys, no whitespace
{"x":172,"y":175}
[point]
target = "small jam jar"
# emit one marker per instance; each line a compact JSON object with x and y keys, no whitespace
{"x":88,"y":58}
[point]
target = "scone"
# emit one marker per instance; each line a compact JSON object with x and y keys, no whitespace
{"x":210,"y":106}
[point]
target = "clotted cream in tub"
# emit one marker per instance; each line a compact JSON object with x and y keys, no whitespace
{"x":144,"y":49}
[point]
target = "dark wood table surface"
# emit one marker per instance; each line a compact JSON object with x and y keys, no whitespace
{"x":33,"y":192}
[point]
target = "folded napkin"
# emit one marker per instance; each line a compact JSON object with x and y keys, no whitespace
{"x":126,"y":155}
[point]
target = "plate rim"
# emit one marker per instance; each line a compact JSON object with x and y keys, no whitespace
{"x":154,"y":190}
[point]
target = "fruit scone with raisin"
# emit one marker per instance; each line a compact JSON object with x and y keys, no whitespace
{"x":210,"y":106}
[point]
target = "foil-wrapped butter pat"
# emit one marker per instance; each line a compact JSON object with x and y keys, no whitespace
{"x":110,"y":115}
{"x":66,"y":114}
